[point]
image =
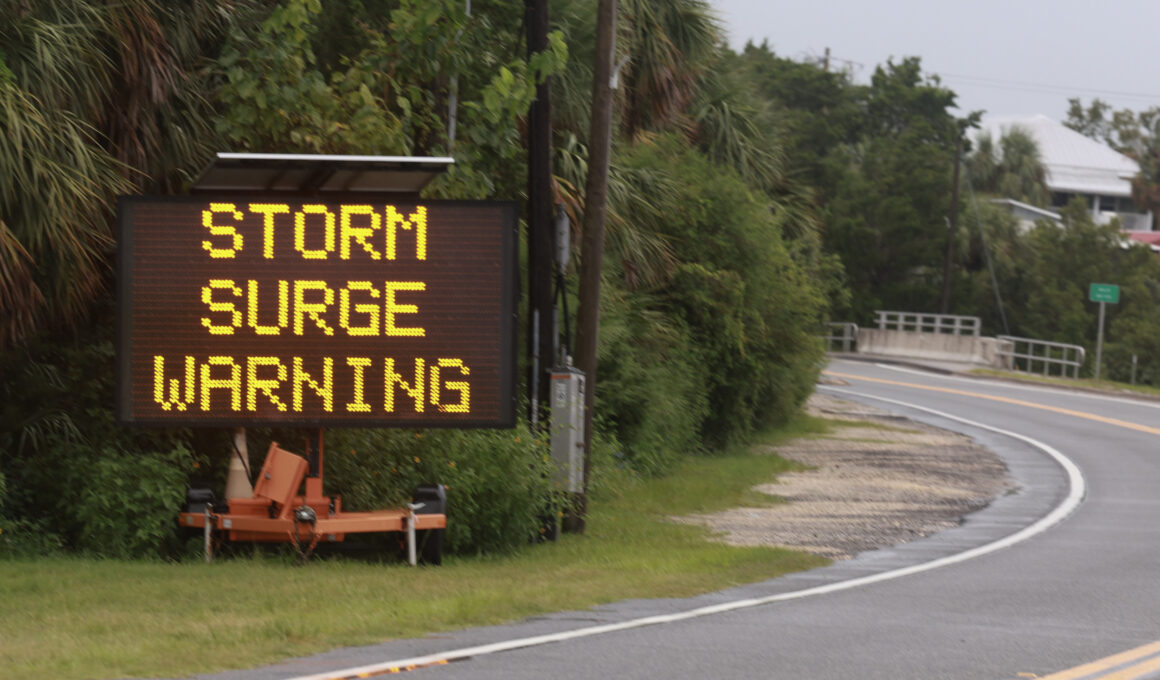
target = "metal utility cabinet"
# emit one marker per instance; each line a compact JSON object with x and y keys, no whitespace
{"x":567,"y":404}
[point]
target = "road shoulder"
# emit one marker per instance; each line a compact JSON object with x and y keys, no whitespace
{"x":874,"y":480}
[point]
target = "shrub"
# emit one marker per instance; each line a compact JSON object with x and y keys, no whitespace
{"x":750,"y":309}
{"x":27,"y":538}
{"x":650,"y":392}
{"x":130,"y":506}
{"x":499,"y":485}
{"x":69,"y":465}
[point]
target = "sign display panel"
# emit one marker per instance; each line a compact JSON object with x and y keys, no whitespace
{"x":238,"y":310}
{"x":1104,"y":292}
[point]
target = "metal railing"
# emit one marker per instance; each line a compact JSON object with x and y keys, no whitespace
{"x":928,"y":323}
{"x":1023,"y":354}
{"x":841,"y":332}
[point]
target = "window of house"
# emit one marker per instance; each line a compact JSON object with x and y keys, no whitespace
{"x":1125,"y":204}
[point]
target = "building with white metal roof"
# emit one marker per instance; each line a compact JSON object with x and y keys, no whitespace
{"x":1080,"y":166}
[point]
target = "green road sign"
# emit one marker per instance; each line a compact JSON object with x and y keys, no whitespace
{"x":1104,"y":292}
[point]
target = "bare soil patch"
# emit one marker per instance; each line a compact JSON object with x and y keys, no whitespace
{"x":879,"y":483}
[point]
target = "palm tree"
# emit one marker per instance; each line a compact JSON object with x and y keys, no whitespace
{"x":664,"y":47}
{"x":55,"y":190}
{"x":1022,"y":173}
{"x":669,"y":44}
{"x":1014,"y":169}
{"x":96,"y":99}
{"x":732,"y":131}
{"x":637,"y":198}
{"x":983,"y":163}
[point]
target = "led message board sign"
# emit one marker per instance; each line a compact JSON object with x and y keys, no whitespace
{"x":237,"y":310}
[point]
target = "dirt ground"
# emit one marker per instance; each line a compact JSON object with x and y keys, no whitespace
{"x":873,"y":485}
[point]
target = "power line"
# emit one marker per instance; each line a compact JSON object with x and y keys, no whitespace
{"x":1045,"y":88}
{"x":1000,"y":83}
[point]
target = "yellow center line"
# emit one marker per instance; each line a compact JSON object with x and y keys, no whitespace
{"x":1007,"y":400}
{"x":1113,"y":661}
{"x":1134,"y":672}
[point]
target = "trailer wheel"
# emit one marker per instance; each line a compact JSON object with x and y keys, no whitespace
{"x":431,"y":546}
{"x":430,"y":541}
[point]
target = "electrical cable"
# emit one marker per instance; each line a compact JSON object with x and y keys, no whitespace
{"x":986,"y":249}
{"x":1016,"y":85}
{"x":1045,"y":88}
{"x":245,"y":465}
{"x":562,"y":295}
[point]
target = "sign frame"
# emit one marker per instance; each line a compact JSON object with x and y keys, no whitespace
{"x":501,"y":215}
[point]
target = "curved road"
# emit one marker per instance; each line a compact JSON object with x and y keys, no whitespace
{"x":1078,"y":600}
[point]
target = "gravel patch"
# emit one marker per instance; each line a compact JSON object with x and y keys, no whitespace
{"x":885,"y":481}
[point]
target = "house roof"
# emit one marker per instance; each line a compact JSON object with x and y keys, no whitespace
{"x":1152,"y":238}
{"x":1027,"y":211}
{"x":1074,"y":163}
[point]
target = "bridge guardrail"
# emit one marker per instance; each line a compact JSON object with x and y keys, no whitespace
{"x":848,"y":336}
{"x":952,"y":324}
{"x":1047,"y":353}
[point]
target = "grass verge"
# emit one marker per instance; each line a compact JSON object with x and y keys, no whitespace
{"x":78,"y":618}
{"x":1109,"y":386}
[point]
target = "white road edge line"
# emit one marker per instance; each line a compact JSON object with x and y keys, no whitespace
{"x":1065,"y":508}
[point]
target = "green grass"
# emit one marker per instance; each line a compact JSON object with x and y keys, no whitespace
{"x":77,"y":618}
{"x":1085,"y":383}
{"x":811,"y":427}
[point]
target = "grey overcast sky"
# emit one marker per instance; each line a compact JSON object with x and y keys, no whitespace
{"x":1011,"y":57}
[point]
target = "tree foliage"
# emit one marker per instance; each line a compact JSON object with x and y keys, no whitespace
{"x":389,"y":92}
{"x":887,"y":213}
{"x":669,"y":43}
{"x":718,"y":275}
{"x":1012,"y":167}
{"x":736,"y":297}
{"x":1134,"y":134}
{"x":1044,"y":274}
{"x":97,"y":99}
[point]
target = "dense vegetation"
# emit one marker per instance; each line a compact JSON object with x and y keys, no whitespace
{"x":1039,"y":285}
{"x":751,"y":198}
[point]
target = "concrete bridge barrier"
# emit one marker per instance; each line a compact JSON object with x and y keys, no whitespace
{"x":930,"y":346}
{"x":957,"y":339}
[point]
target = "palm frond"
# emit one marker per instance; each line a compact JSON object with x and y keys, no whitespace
{"x":1012,"y":167}
{"x":572,"y":87}
{"x":670,"y":44}
{"x":55,"y":191}
{"x":99,"y":98}
{"x":729,"y":133}
{"x":636,"y":200}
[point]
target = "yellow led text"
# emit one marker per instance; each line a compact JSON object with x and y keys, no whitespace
{"x":235,"y":239}
{"x":357,"y":308}
{"x":252,"y":384}
{"x":316,"y":232}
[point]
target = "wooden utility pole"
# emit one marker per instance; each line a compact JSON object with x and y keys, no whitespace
{"x":542,"y":319}
{"x":592,"y":241}
{"x":952,"y":223}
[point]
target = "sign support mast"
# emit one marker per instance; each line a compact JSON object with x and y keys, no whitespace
{"x":1102,"y":293}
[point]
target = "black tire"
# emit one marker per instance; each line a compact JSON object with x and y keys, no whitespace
{"x":429,"y":542}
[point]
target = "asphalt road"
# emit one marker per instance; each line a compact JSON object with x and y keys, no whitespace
{"x":1042,"y":583}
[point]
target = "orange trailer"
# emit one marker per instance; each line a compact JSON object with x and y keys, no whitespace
{"x":280,"y":510}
